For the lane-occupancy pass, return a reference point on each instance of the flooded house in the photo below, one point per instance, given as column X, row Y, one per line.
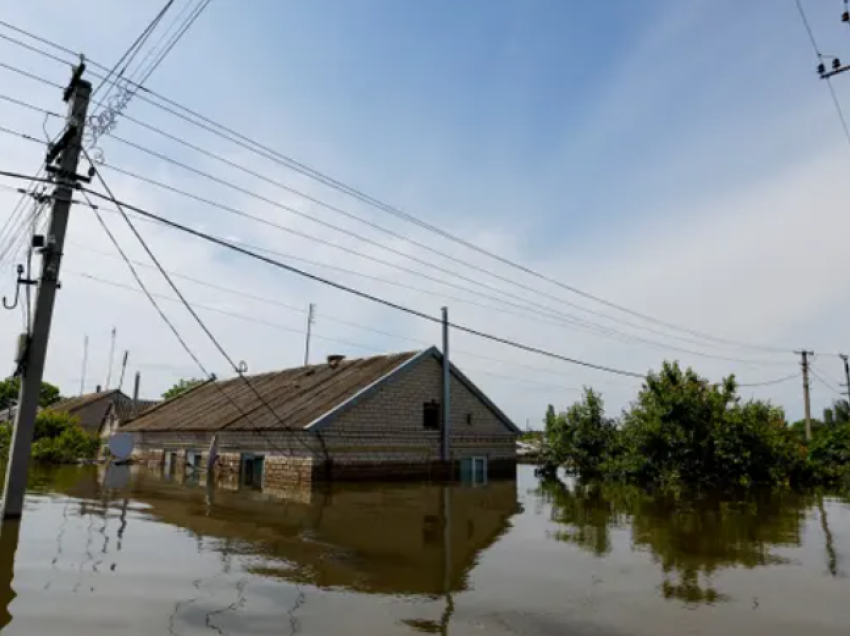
column 360, row 419
column 103, row 412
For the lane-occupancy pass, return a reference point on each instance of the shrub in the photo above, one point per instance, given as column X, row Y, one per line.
column 58, row 439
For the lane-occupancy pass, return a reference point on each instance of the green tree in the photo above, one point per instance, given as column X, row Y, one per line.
column 838, row 413
column 181, row 387
column 11, row 387
column 58, row 439
column 829, row 455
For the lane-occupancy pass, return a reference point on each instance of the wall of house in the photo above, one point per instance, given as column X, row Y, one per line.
column 388, row 426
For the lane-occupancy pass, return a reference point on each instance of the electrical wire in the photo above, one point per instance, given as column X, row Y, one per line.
column 128, row 56
column 356, row 292
column 810, row 32
column 345, row 288
column 236, row 368
column 231, row 135
column 824, row 382
column 560, row 316
column 187, row 24
column 152, row 299
column 769, row 382
column 333, row 208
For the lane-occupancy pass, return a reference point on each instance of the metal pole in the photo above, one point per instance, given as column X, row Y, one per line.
column 309, row 332
column 136, row 386
column 846, row 359
column 36, row 351
column 111, row 359
column 808, row 403
column 446, row 428
column 85, row 365
column 123, row 370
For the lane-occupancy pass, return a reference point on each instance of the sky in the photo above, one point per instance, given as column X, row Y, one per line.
column 680, row 160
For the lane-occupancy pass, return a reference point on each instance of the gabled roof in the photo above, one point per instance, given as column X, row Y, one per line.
column 92, row 408
column 300, row 398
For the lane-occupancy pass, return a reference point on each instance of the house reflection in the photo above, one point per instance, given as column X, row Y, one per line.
column 376, row 538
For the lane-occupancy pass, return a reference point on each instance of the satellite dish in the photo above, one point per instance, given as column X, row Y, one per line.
column 121, row 446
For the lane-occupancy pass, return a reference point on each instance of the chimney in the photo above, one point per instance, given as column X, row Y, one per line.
column 334, row 360
column 136, row 393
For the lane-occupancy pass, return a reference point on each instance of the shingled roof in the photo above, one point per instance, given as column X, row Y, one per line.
column 298, row 397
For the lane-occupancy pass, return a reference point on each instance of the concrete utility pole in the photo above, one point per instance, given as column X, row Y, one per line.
column 35, row 351
column 805, row 364
column 85, row 365
column 846, row 359
column 446, row 453
column 310, row 318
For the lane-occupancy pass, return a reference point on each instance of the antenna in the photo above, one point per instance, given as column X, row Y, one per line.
column 123, row 369
column 111, row 358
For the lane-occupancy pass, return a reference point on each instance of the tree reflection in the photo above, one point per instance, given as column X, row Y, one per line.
column 690, row 539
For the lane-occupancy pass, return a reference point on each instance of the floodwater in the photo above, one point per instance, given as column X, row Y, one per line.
column 128, row 552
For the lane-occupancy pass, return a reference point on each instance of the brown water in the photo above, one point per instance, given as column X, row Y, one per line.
column 134, row 554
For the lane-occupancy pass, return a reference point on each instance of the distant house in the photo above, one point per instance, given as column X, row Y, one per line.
column 370, row 418
column 104, row 412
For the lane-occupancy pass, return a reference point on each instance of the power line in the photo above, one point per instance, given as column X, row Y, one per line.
column 277, row 303
column 807, row 25
column 258, row 148
column 130, row 54
column 359, row 219
column 351, row 290
column 770, row 382
column 357, row 292
column 187, row 24
column 824, row 382
column 551, row 313
column 236, row 367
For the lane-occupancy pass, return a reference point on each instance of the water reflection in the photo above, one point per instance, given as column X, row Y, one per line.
column 691, row 540
column 100, row 551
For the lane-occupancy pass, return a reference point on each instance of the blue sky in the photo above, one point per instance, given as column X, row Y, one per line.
column 681, row 159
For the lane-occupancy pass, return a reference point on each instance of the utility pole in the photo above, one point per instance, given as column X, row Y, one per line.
column 446, row 454
column 805, row 364
column 846, row 359
column 85, row 365
column 111, row 359
column 123, row 370
column 33, row 356
column 310, row 318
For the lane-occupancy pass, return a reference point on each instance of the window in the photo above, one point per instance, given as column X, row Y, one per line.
column 431, row 415
column 252, row 470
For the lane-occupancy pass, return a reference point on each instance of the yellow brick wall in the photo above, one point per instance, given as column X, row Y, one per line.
column 388, row 425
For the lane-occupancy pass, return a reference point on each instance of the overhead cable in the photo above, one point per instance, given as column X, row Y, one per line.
column 231, row 135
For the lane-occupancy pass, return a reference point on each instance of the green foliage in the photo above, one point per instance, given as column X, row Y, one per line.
column 681, row 431
column 582, row 438
column 181, row 387
column 838, row 413
column 58, row 439
column 829, row 455
column 11, row 387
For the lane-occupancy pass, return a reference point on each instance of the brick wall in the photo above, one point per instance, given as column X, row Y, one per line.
column 388, row 425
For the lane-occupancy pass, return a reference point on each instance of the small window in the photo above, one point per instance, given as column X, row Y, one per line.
column 469, row 419
column 431, row 415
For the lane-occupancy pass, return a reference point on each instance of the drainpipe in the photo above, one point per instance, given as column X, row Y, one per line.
column 446, row 428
